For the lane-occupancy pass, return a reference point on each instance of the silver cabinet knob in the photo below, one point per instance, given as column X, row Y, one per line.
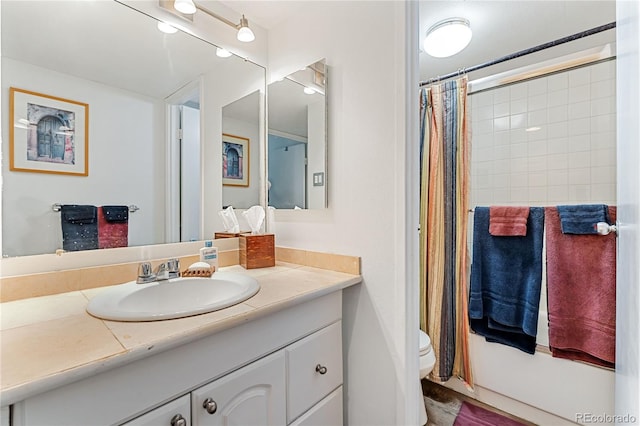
column 210, row 405
column 321, row 369
column 178, row 420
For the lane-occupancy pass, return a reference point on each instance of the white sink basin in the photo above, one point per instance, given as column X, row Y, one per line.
column 175, row 298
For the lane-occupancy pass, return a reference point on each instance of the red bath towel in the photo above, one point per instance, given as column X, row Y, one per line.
column 113, row 231
column 508, row 221
column 581, row 291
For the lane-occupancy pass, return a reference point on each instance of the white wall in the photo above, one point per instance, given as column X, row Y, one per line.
column 316, row 119
column 628, row 290
column 124, row 132
column 364, row 45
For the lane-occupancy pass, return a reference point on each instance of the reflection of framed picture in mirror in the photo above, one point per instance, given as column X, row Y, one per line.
column 47, row 134
column 235, row 160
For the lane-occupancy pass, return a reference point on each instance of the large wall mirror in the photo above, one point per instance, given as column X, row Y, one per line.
column 297, row 139
column 158, row 105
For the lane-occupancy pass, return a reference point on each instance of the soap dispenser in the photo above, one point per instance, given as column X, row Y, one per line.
column 209, row 254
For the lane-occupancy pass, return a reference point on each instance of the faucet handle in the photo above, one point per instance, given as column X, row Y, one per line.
column 173, row 265
column 145, row 270
column 145, row 273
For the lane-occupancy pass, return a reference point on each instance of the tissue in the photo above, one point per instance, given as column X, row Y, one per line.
column 229, row 220
column 255, row 218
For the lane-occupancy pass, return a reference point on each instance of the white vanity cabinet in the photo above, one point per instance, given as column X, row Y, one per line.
column 284, row 367
column 326, row 412
column 315, row 369
column 253, row 395
column 174, row 413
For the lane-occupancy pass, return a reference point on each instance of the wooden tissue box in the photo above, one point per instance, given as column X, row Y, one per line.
column 257, row 251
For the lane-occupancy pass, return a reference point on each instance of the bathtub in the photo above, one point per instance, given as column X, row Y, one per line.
column 538, row 388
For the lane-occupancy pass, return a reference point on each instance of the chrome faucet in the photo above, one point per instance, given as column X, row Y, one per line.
column 165, row 271
column 145, row 273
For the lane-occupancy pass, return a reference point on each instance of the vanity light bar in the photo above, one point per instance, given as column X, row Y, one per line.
column 57, row 207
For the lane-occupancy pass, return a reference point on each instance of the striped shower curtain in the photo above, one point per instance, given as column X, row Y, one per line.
column 444, row 181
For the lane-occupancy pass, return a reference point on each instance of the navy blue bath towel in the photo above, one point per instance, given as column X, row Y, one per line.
column 582, row 219
column 506, row 277
column 79, row 227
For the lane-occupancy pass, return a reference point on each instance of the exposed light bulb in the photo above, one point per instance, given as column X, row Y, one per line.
column 448, row 37
column 222, row 53
column 244, row 32
column 185, row 6
column 166, row 28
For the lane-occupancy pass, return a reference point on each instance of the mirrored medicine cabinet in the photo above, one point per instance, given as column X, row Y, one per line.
column 297, row 139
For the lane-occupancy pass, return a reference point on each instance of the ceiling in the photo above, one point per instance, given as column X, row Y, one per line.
column 83, row 42
column 266, row 13
column 499, row 27
column 504, row 27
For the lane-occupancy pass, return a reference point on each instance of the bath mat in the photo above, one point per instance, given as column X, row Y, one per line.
column 472, row 415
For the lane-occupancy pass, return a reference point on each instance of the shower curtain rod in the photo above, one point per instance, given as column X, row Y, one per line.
column 524, row 52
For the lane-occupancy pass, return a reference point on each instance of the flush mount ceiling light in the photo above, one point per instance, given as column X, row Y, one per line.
column 447, row 37
column 189, row 7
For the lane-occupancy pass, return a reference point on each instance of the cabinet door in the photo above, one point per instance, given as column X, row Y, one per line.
column 252, row 395
column 327, row 412
column 174, row 413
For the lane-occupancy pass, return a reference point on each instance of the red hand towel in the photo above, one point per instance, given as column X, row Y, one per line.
column 111, row 234
column 508, row 221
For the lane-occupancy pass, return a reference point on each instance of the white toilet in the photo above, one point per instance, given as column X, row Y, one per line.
column 427, row 362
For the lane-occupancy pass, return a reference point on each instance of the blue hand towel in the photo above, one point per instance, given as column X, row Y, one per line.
column 116, row 213
column 506, row 276
column 79, row 227
column 581, row 219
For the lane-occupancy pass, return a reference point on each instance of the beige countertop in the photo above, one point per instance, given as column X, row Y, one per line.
column 50, row 341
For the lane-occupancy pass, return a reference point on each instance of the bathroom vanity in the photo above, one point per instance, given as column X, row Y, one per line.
column 275, row 359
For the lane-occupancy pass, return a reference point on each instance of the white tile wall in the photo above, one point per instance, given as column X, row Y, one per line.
column 570, row 159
